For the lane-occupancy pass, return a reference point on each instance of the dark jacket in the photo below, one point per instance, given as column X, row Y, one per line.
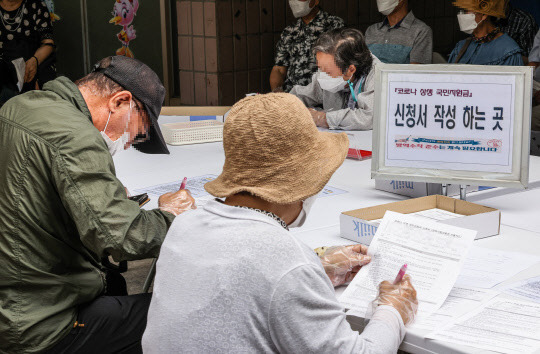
column 61, row 210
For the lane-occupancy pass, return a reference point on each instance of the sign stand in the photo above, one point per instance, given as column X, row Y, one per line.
column 462, row 192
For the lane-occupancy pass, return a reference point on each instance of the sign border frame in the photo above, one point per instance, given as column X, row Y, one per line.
column 519, row 178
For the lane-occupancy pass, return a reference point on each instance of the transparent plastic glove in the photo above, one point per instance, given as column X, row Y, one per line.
column 177, row 202
column 319, row 117
column 341, row 263
column 402, row 297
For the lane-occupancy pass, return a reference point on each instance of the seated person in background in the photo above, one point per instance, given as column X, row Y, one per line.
column 487, row 44
column 521, row 27
column 231, row 278
column 294, row 64
column 26, row 32
column 401, row 38
column 344, row 85
column 534, row 60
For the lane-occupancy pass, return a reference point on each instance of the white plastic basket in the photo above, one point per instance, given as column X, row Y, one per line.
column 204, row 131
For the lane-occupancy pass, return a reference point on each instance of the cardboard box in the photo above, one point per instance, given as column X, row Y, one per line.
column 418, row 189
column 193, row 114
column 357, row 225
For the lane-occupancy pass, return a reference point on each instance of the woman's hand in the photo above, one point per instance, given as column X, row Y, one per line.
column 31, row 69
column 341, row 263
column 319, row 117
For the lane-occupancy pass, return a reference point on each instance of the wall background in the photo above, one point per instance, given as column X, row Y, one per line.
column 226, row 47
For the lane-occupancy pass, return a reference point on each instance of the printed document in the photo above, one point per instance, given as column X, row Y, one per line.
column 459, row 302
column 434, row 253
column 196, row 187
column 430, row 214
column 502, row 325
column 486, row 267
column 528, row 289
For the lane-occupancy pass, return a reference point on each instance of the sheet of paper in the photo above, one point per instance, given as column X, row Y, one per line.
column 528, row 289
column 329, row 191
column 501, row 325
column 20, row 69
column 430, row 214
column 459, row 302
column 194, row 184
column 434, row 253
column 486, row 267
column 196, row 187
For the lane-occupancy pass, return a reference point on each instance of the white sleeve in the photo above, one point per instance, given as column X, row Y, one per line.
column 305, row 317
column 311, row 94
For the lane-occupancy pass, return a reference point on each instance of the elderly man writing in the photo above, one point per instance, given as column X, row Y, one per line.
column 63, row 209
column 232, row 279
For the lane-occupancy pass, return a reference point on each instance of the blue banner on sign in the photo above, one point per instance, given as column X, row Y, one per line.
column 197, row 118
column 451, row 142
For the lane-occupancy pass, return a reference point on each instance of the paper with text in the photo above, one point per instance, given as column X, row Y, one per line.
column 434, row 253
column 528, row 289
column 501, row 325
column 486, row 267
column 459, row 302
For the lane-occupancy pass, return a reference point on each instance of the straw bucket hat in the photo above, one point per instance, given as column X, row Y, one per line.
column 495, row 8
column 273, row 150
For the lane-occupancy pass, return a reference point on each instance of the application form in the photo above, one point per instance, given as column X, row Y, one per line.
column 196, row 187
column 528, row 289
column 502, row 325
column 486, row 267
column 434, row 253
column 459, row 302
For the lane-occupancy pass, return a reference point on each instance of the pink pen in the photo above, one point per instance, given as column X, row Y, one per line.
column 400, row 275
column 183, row 185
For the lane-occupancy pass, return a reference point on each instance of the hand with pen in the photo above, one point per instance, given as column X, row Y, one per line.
column 401, row 295
column 177, row 202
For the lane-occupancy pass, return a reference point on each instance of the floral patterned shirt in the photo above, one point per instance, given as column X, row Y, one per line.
column 294, row 48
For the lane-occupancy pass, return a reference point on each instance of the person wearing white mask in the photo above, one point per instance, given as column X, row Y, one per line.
column 400, row 38
column 231, row 278
column 487, row 45
column 64, row 210
column 340, row 95
column 294, row 62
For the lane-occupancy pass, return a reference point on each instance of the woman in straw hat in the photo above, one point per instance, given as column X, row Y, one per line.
column 487, row 44
column 340, row 95
column 239, row 281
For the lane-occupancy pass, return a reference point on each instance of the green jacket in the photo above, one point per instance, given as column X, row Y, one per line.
column 61, row 209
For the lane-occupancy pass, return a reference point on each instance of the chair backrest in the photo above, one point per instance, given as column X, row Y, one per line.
column 438, row 59
column 535, row 143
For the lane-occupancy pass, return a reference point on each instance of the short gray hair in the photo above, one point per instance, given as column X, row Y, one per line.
column 348, row 47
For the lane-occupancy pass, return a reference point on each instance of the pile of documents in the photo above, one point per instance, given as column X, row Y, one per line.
column 454, row 282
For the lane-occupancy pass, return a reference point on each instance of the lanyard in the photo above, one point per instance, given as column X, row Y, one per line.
column 351, row 87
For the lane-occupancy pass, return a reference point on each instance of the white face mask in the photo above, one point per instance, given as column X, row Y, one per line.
column 300, row 8
column 387, row 6
column 306, row 207
column 467, row 22
column 329, row 83
column 120, row 143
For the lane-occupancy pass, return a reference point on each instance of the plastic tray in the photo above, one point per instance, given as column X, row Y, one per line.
column 184, row 133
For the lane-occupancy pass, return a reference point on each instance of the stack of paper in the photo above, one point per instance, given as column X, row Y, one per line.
column 434, row 252
column 502, row 325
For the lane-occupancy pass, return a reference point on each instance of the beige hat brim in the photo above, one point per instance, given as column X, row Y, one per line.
column 289, row 181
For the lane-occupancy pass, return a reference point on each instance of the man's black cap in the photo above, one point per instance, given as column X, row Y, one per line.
column 143, row 83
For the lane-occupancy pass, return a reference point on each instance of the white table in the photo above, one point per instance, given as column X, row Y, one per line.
column 520, row 230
